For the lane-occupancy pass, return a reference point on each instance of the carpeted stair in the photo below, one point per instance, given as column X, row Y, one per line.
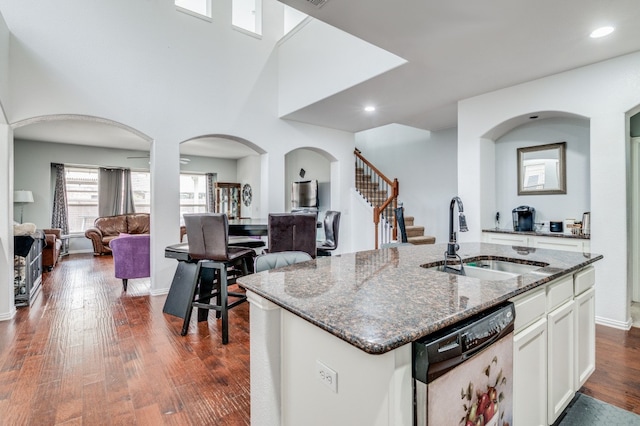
column 369, row 190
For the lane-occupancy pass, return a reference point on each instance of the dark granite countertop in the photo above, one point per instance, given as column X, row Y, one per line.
column 538, row 234
column 379, row 300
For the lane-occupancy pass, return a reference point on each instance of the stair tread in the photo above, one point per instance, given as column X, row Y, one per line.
column 423, row 239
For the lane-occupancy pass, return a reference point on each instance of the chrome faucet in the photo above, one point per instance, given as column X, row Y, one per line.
column 453, row 247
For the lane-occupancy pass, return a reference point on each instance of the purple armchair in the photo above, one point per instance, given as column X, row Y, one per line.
column 131, row 257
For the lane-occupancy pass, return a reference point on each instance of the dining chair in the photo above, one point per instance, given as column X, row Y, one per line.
column 292, row 232
column 331, row 229
column 218, row 265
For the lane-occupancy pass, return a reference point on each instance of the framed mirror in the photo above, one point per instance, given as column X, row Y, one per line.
column 542, row 169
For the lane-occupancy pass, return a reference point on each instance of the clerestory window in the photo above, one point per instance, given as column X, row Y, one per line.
column 247, row 15
column 198, row 7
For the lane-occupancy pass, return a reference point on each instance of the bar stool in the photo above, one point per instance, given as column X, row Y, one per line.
column 331, row 229
column 292, row 232
column 208, row 239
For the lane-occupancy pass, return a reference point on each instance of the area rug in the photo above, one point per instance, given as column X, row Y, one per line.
column 585, row 411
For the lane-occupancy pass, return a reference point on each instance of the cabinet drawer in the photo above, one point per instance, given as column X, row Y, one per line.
column 584, row 280
column 529, row 308
column 508, row 239
column 559, row 243
column 559, row 292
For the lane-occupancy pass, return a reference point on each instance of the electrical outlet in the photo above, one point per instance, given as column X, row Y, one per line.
column 327, row 376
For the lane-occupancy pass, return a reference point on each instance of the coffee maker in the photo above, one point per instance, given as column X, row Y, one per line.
column 524, row 218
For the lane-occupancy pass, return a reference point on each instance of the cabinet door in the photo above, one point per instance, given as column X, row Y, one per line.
column 529, row 375
column 585, row 336
column 561, row 359
column 507, row 239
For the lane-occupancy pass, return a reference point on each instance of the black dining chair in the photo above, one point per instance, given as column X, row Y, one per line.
column 217, row 268
column 331, row 230
column 292, row 232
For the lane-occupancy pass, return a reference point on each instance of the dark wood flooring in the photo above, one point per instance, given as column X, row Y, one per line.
column 87, row 353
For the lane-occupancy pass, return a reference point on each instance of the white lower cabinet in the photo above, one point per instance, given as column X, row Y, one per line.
column 538, row 241
column 530, row 384
column 506, row 239
column 554, row 347
column 561, row 359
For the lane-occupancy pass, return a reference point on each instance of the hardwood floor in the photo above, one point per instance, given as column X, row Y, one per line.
column 617, row 376
column 87, row 353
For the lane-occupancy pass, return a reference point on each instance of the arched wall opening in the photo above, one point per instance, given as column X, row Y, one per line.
column 306, row 164
column 500, row 168
column 74, row 140
column 230, row 160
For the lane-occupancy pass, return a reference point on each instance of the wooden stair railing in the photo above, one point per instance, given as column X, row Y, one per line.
column 385, row 200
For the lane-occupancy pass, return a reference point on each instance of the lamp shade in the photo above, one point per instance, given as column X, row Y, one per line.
column 22, row 197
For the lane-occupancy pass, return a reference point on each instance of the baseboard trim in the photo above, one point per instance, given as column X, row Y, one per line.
column 159, row 291
column 622, row 325
column 9, row 315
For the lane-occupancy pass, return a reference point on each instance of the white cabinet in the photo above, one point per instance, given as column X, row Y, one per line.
column 559, row 243
column 530, row 384
column 506, row 239
column 561, row 359
column 538, row 241
column 554, row 347
column 585, row 343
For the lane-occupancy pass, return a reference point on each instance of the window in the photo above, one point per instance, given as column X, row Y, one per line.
column 82, row 197
column 247, row 14
column 200, row 7
column 141, row 188
column 193, row 194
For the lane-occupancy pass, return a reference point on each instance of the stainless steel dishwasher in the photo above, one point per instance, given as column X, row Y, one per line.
column 463, row 374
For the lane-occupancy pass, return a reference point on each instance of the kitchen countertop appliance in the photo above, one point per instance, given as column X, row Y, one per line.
column 466, row 371
column 524, row 218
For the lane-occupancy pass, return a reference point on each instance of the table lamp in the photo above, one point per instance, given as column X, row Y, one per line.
column 22, row 197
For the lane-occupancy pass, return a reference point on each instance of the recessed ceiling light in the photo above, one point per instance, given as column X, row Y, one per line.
column 601, row 32
column 370, row 108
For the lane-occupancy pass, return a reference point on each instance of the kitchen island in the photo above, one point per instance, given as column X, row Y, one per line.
column 332, row 336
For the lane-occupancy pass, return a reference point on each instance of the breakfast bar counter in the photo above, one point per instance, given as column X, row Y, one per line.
column 379, row 300
column 333, row 334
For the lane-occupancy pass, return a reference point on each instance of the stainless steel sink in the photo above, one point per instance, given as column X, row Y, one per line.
column 490, row 269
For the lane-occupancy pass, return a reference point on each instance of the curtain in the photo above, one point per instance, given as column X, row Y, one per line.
column 60, row 211
column 115, row 195
column 211, row 196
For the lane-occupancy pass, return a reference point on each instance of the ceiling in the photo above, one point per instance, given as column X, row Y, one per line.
column 458, row 49
column 455, row 49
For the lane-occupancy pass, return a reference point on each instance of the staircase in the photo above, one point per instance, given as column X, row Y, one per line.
column 415, row 234
column 370, row 189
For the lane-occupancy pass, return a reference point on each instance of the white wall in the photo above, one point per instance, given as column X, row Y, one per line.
column 167, row 75
column 424, row 164
column 249, row 173
column 7, row 308
column 312, row 64
column 603, row 93
column 573, row 131
column 4, row 65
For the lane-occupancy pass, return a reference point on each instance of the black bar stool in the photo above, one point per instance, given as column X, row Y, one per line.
column 217, row 268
